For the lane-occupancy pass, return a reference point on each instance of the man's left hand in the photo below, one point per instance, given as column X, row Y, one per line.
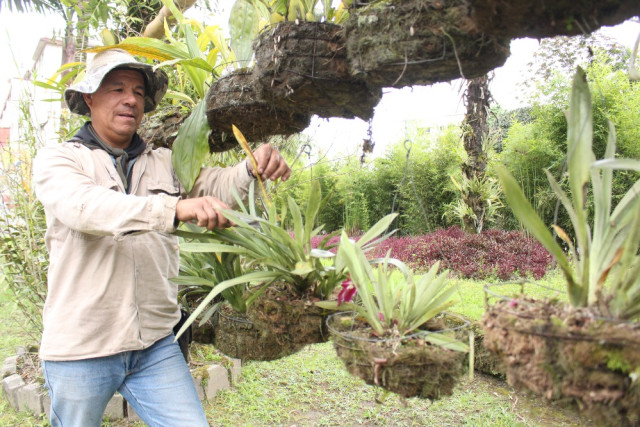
column 271, row 164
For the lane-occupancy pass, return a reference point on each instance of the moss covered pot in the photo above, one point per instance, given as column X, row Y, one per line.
column 419, row 42
column 288, row 315
column 568, row 354
column 408, row 366
column 236, row 100
column 237, row 336
column 304, row 66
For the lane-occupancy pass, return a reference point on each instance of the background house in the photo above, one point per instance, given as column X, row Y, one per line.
column 16, row 91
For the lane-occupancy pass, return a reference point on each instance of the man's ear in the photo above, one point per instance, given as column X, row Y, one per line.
column 87, row 99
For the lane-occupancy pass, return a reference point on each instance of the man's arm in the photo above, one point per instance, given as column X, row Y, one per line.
column 73, row 196
column 212, row 190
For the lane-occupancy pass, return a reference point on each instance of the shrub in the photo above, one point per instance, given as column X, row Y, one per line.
column 492, row 253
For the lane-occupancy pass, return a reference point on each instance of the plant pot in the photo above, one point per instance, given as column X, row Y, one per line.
column 568, row 354
column 304, row 66
column 408, row 366
column 419, row 43
column 235, row 100
column 238, row 337
column 290, row 316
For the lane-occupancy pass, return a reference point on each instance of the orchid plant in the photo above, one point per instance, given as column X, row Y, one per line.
column 393, row 301
column 602, row 267
column 271, row 253
column 201, row 271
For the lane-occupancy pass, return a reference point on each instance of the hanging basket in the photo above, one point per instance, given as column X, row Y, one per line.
column 235, row 100
column 304, row 66
column 287, row 315
column 238, row 337
column 408, row 366
column 418, row 42
column 567, row 354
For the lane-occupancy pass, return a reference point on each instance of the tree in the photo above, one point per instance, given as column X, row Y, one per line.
column 475, row 135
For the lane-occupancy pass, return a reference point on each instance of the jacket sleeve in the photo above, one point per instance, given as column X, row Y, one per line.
column 222, row 182
column 66, row 186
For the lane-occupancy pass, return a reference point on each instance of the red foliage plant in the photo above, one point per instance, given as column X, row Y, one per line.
column 506, row 255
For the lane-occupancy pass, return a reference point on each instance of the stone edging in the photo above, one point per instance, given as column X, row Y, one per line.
column 34, row 398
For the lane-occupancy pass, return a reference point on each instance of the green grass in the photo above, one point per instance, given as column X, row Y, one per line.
column 470, row 298
column 312, row 387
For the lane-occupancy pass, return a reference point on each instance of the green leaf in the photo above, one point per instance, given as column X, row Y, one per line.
column 296, row 217
column 579, row 152
column 255, row 277
column 378, row 228
column 243, row 28
column 313, row 207
column 447, row 342
column 180, row 96
column 191, row 146
column 210, row 247
column 525, row 213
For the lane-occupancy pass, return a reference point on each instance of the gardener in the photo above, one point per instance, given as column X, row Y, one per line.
column 111, row 204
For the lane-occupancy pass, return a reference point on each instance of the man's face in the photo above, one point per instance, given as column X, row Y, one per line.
column 117, row 107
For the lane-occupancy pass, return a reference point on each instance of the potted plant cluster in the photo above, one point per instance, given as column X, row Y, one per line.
column 285, row 274
column 225, row 323
column 393, row 338
column 586, row 350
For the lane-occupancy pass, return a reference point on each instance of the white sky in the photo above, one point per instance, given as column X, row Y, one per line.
column 435, row 104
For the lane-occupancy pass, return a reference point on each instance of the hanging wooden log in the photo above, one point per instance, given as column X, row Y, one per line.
column 304, row 66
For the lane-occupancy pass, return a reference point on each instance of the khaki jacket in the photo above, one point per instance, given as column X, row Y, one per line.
column 111, row 253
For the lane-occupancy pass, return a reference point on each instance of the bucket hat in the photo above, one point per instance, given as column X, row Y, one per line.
column 156, row 82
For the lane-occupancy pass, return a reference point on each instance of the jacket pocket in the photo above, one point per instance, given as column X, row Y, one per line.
column 163, row 187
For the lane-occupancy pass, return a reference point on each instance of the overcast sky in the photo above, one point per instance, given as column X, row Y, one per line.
column 439, row 103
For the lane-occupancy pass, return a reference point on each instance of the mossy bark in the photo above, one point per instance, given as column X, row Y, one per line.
column 304, row 66
column 542, row 18
column 290, row 316
column 570, row 355
column 420, row 42
column 236, row 100
column 237, row 336
column 409, row 367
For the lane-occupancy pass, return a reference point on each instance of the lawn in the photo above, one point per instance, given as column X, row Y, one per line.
column 312, row 387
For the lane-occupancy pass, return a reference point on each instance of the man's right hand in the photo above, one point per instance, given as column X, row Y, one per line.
column 204, row 211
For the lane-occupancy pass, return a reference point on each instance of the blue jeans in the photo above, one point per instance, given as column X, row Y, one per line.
column 156, row 382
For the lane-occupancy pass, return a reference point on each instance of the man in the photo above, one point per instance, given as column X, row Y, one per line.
column 111, row 204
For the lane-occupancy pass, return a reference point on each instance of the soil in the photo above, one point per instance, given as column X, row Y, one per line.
column 238, row 337
column 304, row 66
column 420, row 42
column 289, row 315
column 569, row 355
column 409, row 367
column 235, row 100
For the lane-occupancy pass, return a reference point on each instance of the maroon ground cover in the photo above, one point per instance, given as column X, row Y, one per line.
column 492, row 253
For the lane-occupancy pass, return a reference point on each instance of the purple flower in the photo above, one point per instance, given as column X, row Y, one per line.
column 347, row 292
column 381, row 316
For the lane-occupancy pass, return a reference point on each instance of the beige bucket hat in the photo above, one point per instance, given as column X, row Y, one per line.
column 156, row 82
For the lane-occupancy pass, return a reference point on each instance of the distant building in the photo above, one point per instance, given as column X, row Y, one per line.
column 45, row 115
